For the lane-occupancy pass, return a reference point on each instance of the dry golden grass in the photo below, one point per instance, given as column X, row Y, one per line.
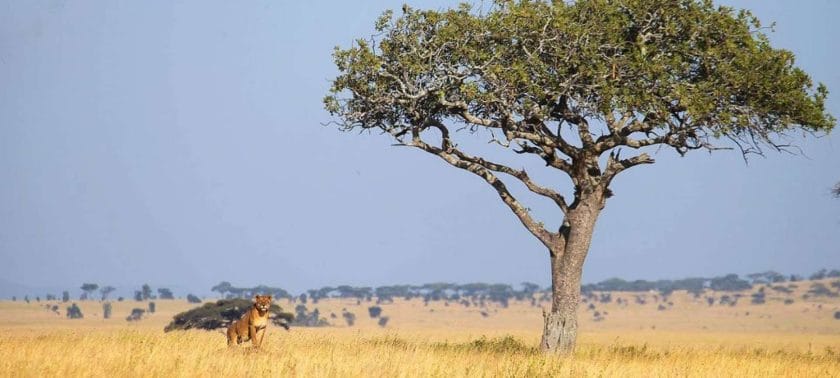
column 690, row 339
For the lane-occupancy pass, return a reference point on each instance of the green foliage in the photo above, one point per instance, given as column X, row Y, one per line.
column 220, row 314
column 687, row 69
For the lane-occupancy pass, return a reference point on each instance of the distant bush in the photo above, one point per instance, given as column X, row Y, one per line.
column 374, row 311
column 640, row 300
column 818, row 275
column 836, row 314
column 782, row 289
column 136, row 314
column 220, row 314
column 74, row 312
column 818, row 289
column 758, row 298
column 164, row 293
column 729, row 282
column 152, row 307
column 106, row 310
column 193, row 299
column 308, row 319
column 788, row 301
column 383, row 321
column 349, row 317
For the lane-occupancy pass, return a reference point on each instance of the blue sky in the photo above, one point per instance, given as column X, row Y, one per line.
column 180, row 143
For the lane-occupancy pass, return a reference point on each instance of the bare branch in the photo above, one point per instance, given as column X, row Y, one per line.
column 616, row 165
column 483, row 169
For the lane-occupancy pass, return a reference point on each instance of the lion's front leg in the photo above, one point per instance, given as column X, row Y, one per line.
column 260, row 336
column 252, row 333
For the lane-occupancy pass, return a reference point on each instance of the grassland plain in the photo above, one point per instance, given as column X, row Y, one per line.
column 688, row 338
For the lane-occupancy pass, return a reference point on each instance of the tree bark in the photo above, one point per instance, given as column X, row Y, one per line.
column 567, row 257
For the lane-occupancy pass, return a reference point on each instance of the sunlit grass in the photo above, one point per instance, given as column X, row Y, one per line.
column 689, row 339
column 343, row 353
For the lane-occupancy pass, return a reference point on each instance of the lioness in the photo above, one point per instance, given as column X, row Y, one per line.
column 252, row 325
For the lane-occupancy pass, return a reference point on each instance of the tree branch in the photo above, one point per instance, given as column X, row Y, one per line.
column 616, row 165
column 483, row 168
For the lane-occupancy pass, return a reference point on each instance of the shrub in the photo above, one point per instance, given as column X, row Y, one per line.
column 374, row 311
column 74, row 312
column 106, row 310
column 220, row 314
column 819, row 289
column 383, row 321
column 758, row 298
column 729, row 282
column 349, row 317
column 193, row 299
column 136, row 314
column 782, row 289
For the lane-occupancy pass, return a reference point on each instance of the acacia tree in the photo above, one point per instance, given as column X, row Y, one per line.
column 89, row 288
column 572, row 84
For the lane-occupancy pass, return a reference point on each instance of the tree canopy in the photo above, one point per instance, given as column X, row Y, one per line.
column 569, row 82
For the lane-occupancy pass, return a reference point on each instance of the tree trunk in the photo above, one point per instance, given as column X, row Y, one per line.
column 567, row 257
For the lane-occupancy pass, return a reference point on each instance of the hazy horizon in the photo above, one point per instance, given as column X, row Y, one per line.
column 181, row 144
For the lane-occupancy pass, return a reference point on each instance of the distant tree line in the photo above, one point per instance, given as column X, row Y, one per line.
column 228, row 291
column 477, row 293
column 729, row 282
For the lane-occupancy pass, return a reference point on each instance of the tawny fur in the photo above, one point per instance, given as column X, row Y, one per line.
column 252, row 325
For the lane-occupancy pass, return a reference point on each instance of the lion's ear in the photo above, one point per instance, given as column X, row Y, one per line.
column 257, row 297
column 268, row 296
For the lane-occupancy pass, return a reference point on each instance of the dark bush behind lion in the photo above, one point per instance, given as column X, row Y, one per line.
column 221, row 314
